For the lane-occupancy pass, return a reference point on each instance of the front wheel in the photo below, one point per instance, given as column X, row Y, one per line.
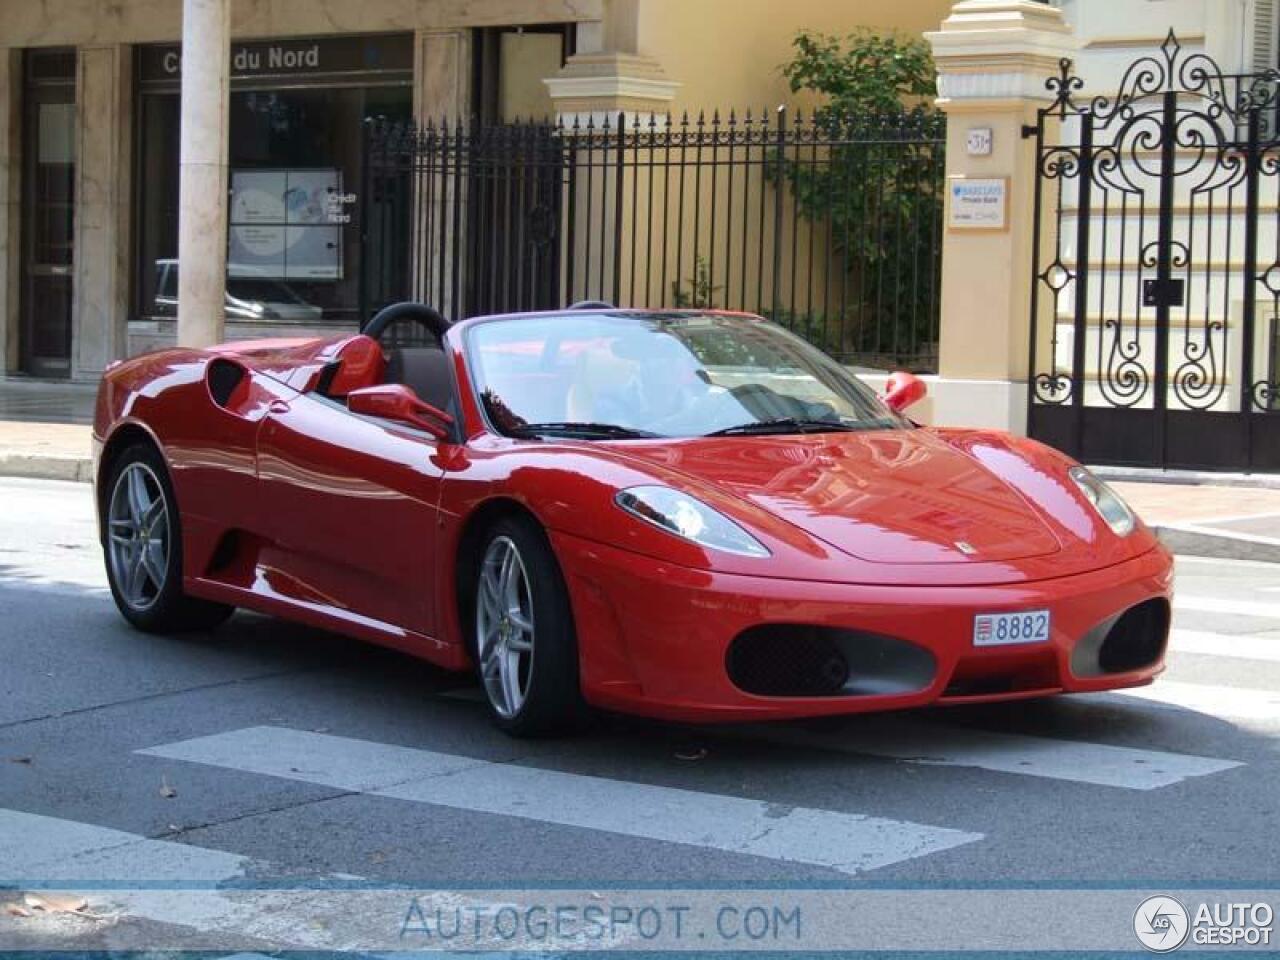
column 142, row 538
column 525, row 646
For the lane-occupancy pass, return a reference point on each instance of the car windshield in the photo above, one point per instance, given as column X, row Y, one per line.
column 619, row 375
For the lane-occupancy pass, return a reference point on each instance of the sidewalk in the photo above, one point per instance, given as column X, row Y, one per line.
column 1209, row 520
column 48, row 451
column 44, row 429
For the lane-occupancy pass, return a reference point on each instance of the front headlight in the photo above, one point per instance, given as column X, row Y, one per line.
column 1106, row 501
column 689, row 518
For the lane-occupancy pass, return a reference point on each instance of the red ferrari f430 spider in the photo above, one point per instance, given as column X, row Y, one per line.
column 691, row 515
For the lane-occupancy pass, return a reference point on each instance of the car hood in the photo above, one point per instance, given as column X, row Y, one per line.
column 883, row 496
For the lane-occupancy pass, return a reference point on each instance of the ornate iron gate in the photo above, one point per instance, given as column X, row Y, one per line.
column 1156, row 270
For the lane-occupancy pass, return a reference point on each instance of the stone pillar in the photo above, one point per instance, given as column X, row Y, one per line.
column 10, row 205
column 441, row 94
column 442, row 72
column 202, row 183
column 993, row 58
column 608, row 79
column 99, row 315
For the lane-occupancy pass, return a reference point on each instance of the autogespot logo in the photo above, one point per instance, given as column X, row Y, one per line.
column 1161, row 924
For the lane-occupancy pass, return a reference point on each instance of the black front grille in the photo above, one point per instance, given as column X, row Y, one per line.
column 787, row 661
column 1130, row 640
column 1137, row 639
column 805, row 660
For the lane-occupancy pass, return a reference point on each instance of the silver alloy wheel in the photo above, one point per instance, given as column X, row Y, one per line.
column 138, row 536
column 504, row 627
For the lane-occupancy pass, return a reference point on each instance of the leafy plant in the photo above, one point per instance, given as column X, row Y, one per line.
column 880, row 186
column 702, row 295
column 869, row 74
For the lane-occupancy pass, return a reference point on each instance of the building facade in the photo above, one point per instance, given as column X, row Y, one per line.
column 91, row 111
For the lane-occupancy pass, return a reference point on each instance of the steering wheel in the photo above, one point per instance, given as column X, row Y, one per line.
column 428, row 318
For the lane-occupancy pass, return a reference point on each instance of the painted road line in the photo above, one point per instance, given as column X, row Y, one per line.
column 1236, row 645
column 49, row 850
column 1075, row 761
column 1225, row 703
column 847, row 842
column 1192, row 559
column 202, row 899
column 938, row 745
column 1242, row 608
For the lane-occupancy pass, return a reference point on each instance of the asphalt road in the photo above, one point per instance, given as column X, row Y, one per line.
column 268, row 754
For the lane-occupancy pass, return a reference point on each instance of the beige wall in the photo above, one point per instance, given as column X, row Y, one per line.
column 27, row 23
column 729, row 53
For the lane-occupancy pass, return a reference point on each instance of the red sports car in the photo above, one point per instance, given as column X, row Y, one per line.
column 689, row 514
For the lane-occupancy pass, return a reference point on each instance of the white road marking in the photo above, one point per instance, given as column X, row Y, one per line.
column 847, row 842
column 35, row 849
column 1227, row 605
column 939, row 745
column 1243, row 646
column 1225, row 703
column 1187, row 558
column 203, row 897
column 1075, row 761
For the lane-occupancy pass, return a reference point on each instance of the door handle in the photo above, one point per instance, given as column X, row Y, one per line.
column 278, row 406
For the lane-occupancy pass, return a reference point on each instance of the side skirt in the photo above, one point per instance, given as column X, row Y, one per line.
column 263, row 599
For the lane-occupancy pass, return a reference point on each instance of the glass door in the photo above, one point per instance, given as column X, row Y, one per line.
column 48, row 216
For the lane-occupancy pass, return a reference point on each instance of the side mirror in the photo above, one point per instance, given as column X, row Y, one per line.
column 395, row 401
column 902, row 390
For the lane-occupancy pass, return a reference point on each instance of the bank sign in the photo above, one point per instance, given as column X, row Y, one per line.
column 162, row 63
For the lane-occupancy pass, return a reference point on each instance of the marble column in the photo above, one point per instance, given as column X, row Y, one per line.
column 607, row 82
column 10, row 204
column 202, row 183
column 441, row 94
column 99, row 315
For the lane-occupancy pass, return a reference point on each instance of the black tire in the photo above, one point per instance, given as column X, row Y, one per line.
column 553, row 704
column 168, row 609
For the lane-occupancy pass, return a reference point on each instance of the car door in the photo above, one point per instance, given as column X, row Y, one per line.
column 351, row 505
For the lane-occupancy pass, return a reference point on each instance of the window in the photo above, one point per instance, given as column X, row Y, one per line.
column 296, row 138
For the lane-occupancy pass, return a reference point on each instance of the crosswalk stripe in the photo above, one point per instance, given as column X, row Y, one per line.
column 1227, row 605
column 847, row 842
column 1075, row 761
column 1240, row 646
column 934, row 744
column 127, row 877
column 1226, row 703
column 36, row 849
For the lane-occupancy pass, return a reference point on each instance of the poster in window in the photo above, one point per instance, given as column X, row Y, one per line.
column 313, row 253
column 257, row 196
column 281, row 225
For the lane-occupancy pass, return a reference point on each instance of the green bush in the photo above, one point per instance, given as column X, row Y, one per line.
column 881, row 187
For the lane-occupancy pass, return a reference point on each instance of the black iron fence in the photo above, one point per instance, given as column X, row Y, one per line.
column 831, row 227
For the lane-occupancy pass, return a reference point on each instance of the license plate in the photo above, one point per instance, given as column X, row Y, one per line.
column 1005, row 629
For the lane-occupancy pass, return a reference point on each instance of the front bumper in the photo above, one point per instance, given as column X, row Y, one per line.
column 654, row 636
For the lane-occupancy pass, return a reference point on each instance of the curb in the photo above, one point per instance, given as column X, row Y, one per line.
column 43, row 466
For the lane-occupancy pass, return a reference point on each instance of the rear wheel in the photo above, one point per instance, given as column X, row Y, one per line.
column 525, row 647
column 142, row 537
